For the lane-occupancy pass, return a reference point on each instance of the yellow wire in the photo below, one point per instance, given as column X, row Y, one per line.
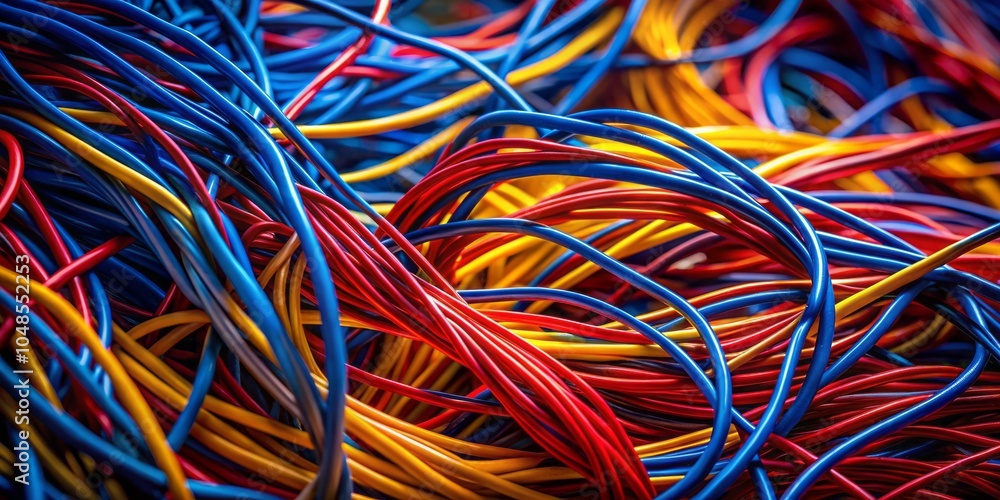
column 128, row 393
column 423, row 150
column 129, row 177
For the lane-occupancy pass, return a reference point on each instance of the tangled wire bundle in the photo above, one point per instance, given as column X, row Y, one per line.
column 493, row 249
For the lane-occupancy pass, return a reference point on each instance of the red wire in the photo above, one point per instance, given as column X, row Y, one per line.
column 15, row 171
column 345, row 59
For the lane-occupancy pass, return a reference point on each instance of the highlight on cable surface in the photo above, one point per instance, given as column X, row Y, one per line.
column 474, row 249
